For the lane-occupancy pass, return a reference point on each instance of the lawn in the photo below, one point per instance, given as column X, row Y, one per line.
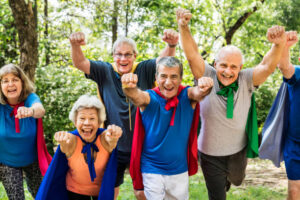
column 198, row 191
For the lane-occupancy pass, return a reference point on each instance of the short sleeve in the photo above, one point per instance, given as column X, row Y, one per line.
column 98, row 70
column 295, row 78
column 32, row 99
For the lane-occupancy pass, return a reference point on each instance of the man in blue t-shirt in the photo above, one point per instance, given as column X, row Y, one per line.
column 167, row 114
column 291, row 149
column 119, row 110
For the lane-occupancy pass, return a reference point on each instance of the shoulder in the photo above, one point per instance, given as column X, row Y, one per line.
column 99, row 65
column 32, row 98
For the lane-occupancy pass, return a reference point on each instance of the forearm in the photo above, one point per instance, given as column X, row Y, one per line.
column 38, row 110
column 285, row 65
column 168, row 51
column 190, row 49
column 109, row 146
column 268, row 64
column 195, row 94
column 137, row 96
column 79, row 60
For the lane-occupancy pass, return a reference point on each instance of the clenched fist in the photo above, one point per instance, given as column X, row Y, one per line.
column 204, row 85
column 171, row 37
column 77, row 39
column 183, row 16
column 276, row 35
column 129, row 80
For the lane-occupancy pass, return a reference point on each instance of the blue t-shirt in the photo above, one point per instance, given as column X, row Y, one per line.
column 294, row 105
column 165, row 147
column 18, row 149
column 116, row 103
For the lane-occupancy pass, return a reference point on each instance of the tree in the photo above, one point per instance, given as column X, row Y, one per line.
column 26, row 24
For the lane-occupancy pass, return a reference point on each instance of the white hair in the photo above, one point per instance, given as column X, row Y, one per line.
column 229, row 49
column 124, row 40
column 87, row 101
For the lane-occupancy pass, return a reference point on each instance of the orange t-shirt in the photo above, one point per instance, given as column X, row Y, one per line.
column 78, row 177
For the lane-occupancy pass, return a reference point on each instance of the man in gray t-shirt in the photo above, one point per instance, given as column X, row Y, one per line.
column 222, row 140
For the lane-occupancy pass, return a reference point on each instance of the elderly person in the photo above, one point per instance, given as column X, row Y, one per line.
column 87, row 153
column 119, row 110
column 19, row 109
column 226, row 137
column 164, row 149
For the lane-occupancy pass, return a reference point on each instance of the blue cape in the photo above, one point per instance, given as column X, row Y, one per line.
column 274, row 128
column 53, row 185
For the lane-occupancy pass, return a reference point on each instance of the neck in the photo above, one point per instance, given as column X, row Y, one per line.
column 12, row 102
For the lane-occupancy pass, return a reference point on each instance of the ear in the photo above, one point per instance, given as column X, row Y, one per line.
column 241, row 66
column 215, row 64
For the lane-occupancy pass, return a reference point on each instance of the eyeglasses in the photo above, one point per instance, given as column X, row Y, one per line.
column 127, row 55
column 14, row 81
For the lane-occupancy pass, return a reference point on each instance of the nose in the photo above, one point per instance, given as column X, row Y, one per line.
column 227, row 71
column 168, row 81
column 86, row 121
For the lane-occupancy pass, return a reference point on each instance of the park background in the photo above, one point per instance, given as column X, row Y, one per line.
column 34, row 35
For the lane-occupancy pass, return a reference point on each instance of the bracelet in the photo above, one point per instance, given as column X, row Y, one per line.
column 172, row 45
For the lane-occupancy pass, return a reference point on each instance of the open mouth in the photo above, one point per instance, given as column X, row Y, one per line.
column 12, row 91
column 87, row 132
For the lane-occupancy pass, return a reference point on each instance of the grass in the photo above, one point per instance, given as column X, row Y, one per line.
column 197, row 191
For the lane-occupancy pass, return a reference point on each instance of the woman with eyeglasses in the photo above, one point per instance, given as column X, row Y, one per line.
column 21, row 134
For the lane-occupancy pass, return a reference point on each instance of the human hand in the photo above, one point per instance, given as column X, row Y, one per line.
column 183, row 16
column 276, row 35
column 24, row 112
column 77, row 39
column 113, row 133
column 205, row 85
column 171, row 37
column 63, row 137
column 129, row 80
column 291, row 38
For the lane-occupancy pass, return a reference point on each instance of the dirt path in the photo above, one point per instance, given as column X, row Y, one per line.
column 264, row 173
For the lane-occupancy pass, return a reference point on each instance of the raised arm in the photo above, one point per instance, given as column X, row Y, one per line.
column 285, row 65
column 110, row 137
column 188, row 43
column 79, row 60
column 198, row 92
column 277, row 36
column 171, row 37
column 138, row 97
column 67, row 142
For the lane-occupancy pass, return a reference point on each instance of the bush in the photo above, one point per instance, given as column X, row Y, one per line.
column 59, row 88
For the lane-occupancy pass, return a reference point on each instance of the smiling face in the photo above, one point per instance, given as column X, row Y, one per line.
column 124, row 57
column 87, row 123
column 168, row 80
column 228, row 66
column 11, row 86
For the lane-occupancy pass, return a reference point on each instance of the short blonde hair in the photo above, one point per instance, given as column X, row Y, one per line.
column 27, row 85
column 87, row 101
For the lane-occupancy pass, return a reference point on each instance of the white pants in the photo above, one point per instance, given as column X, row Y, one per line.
column 165, row 187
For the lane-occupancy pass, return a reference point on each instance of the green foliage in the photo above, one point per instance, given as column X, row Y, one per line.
column 59, row 88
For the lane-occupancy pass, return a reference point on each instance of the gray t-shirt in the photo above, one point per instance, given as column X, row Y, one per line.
column 220, row 136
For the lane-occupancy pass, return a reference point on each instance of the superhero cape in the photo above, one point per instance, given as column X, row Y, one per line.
column 53, row 185
column 137, row 146
column 274, row 128
column 44, row 158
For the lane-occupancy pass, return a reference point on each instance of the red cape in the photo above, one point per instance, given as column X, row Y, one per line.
column 137, row 146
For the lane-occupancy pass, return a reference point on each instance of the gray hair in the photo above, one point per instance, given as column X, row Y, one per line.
column 87, row 101
column 125, row 40
column 169, row 61
column 229, row 49
column 27, row 85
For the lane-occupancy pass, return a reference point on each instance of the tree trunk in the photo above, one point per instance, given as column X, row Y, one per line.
column 229, row 34
column 25, row 23
column 126, row 17
column 47, row 46
column 115, row 22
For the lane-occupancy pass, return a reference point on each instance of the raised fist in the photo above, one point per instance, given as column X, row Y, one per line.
column 291, row 38
column 183, row 16
column 276, row 35
column 171, row 37
column 129, row 80
column 77, row 38
column 24, row 112
column 204, row 85
column 113, row 133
